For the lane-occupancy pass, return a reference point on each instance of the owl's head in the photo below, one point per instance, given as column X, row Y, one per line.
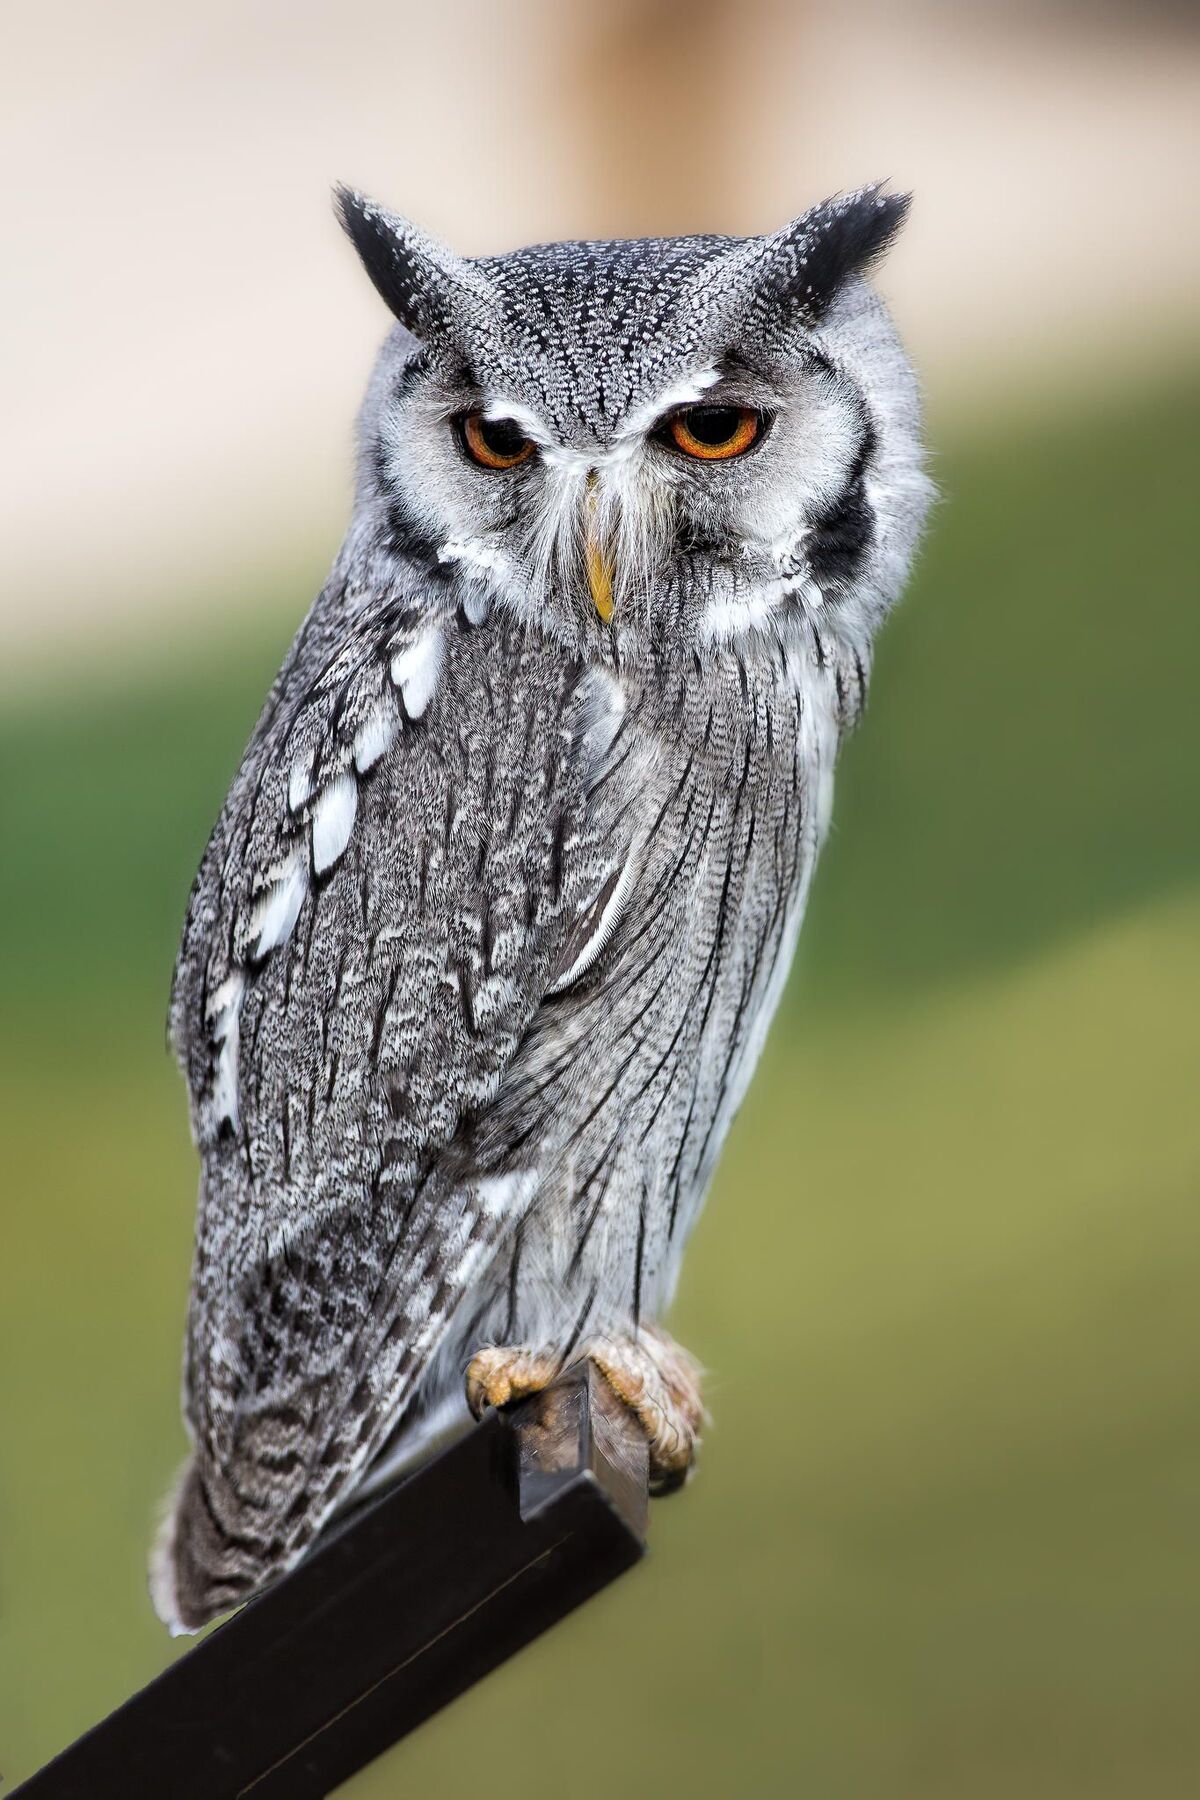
column 662, row 441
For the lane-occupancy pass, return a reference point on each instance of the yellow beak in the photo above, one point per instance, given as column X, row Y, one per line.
column 599, row 563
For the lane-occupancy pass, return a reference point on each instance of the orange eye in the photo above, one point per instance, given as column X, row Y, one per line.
column 494, row 443
column 714, row 432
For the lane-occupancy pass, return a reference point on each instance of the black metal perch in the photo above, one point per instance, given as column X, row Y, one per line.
column 410, row 1601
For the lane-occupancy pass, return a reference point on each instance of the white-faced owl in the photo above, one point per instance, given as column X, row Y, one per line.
column 486, row 940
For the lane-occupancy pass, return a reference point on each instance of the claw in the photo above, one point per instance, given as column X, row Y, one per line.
column 649, row 1373
column 499, row 1375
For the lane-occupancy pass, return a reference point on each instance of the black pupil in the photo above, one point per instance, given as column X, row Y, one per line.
column 712, row 425
column 502, row 437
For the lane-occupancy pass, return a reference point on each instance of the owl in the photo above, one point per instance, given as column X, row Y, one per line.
column 484, row 945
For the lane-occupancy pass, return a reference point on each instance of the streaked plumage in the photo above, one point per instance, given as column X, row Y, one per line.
column 486, row 940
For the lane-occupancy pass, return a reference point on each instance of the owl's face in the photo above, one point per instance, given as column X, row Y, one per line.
column 666, row 442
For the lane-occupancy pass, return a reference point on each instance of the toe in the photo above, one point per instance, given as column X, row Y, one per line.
column 488, row 1381
column 659, row 1384
column 501, row 1374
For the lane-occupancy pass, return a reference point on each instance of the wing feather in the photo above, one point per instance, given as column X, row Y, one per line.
column 407, row 862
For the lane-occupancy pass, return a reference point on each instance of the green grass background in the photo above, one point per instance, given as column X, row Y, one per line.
column 943, row 1541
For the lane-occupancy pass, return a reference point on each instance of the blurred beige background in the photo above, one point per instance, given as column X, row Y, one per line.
column 187, row 337
column 942, row 1544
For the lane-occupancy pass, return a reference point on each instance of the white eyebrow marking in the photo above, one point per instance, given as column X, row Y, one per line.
column 521, row 415
column 683, row 392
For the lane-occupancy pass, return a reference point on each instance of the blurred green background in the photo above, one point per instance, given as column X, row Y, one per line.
column 942, row 1542
column 943, row 1539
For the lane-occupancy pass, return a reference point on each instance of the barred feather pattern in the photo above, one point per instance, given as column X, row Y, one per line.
column 485, row 943
column 420, row 1124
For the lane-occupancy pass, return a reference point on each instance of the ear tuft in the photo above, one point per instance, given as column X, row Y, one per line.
column 815, row 255
column 430, row 290
column 375, row 242
column 380, row 239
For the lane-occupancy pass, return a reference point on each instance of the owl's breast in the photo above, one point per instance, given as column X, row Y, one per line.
column 632, row 1077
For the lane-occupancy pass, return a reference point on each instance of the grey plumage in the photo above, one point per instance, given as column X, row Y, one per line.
column 485, row 942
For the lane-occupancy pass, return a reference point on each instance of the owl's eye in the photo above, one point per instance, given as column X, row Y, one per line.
column 494, row 443
column 714, row 432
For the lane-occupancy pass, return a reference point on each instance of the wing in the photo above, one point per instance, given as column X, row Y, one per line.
column 408, row 860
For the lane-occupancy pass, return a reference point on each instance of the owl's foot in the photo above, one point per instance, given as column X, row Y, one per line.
column 502, row 1374
column 649, row 1373
column 660, row 1384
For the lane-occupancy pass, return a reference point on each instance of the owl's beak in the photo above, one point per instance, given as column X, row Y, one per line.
column 596, row 556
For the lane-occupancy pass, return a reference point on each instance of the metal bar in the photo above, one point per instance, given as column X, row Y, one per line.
column 412, row 1600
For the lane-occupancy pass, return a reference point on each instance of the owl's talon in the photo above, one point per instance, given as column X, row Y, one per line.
column 501, row 1374
column 660, row 1384
column 649, row 1373
column 669, row 1482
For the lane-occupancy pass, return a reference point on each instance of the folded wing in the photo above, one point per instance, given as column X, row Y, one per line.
column 410, row 858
